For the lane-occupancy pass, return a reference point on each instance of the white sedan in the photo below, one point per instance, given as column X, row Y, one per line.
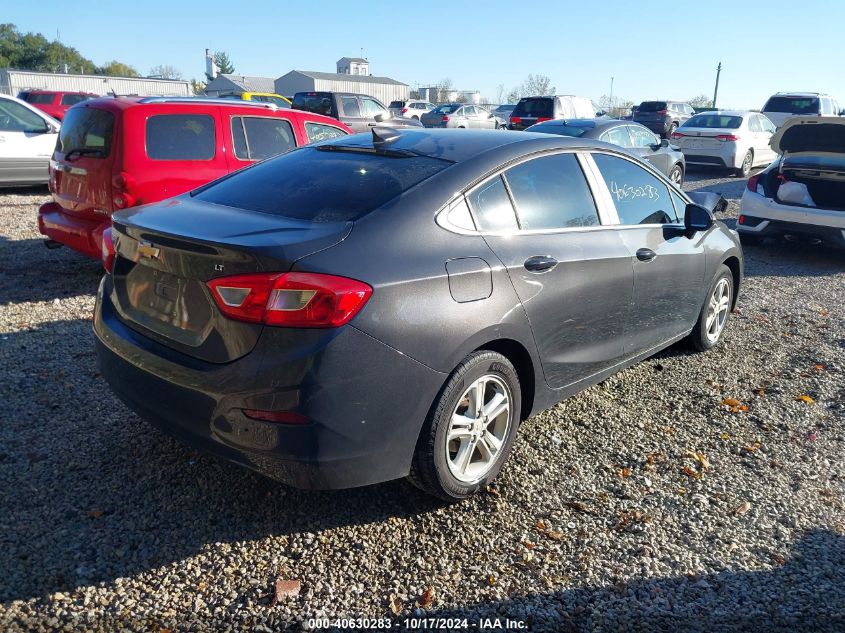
column 27, row 140
column 735, row 139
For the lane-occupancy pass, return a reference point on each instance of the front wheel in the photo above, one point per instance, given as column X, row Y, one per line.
column 471, row 428
column 745, row 168
column 677, row 176
column 714, row 315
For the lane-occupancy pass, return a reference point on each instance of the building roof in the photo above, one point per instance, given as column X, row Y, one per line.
column 367, row 79
column 360, row 60
column 245, row 83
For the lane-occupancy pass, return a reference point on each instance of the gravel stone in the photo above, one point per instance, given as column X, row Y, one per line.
column 107, row 524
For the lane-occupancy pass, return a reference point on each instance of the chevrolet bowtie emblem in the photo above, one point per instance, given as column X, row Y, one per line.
column 145, row 249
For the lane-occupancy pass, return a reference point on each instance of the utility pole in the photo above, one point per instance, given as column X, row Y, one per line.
column 610, row 104
column 716, row 91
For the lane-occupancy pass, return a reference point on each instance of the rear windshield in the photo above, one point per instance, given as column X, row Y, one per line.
column 396, row 104
column 319, row 102
column 793, row 105
column 39, row 98
column 535, row 108
column 652, row 106
column 87, row 129
column 321, row 185
column 714, row 120
column 447, row 108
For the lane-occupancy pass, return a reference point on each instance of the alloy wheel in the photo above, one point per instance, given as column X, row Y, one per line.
column 677, row 177
column 478, row 428
column 717, row 309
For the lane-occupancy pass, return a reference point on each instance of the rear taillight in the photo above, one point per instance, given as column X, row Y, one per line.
column 516, row 120
column 404, row 110
column 122, row 186
column 727, row 137
column 540, row 119
column 444, row 119
column 661, row 112
column 107, row 250
column 290, row 299
column 752, row 183
column 677, row 135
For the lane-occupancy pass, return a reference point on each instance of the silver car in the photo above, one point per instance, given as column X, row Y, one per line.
column 27, row 140
column 460, row 115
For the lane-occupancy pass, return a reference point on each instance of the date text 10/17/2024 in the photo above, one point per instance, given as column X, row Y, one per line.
column 420, row 624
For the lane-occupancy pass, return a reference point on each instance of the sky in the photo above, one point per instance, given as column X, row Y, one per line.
column 653, row 50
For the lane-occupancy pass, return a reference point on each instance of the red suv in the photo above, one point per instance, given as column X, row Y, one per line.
column 53, row 102
column 118, row 152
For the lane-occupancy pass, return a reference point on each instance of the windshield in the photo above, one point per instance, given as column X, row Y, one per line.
column 793, row 105
column 714, row 120
column 543, row 107
column 322, row 184
column 447, row 108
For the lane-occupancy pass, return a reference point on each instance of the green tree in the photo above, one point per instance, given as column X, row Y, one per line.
column 33, row 51
column 118, row 69
column 223, row 63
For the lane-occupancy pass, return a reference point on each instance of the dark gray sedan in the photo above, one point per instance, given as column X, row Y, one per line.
column 638, row 139
column 394, row 304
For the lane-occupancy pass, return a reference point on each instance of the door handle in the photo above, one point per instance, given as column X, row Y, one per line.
column 540, row 263
column 372, row 124
column 646, row 254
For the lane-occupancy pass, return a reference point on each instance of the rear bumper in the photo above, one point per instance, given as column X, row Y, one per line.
column 658, row 127
column 723, row 157
column 765, row 217
column 84, row 235
column 366, row 402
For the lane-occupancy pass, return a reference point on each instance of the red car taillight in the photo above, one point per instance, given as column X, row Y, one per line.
column 516, row 120
column 677, row 135
column 107, row 250
column 661, row 112
column 540, row 119
column 404, row 110
column 444, row 119
column 122, row 185
column 290, row 299
column 752, row 183
column 727, row 137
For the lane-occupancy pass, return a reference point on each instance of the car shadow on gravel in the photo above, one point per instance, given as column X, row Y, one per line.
column 92, row 493
column 31, row 272
column 800, row 593
column 781, row 258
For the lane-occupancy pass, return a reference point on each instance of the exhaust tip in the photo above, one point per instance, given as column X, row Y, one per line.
column 52, row 244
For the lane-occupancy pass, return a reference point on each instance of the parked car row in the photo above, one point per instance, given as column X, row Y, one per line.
column 462, row 115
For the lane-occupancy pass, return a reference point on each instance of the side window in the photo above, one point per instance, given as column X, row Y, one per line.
column 551, row 193
column 617, row 136
column 639, row 196
column 180, row 137
column 492, row 207
column 642, row 137
column 261, row 137
column 767, row 125
column 754, row 124
column 371, row 108
column 70, row 100
column 319, row 132
column 350, row 106
column 16, row 118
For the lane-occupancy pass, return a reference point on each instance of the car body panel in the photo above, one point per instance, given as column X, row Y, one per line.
column 27, row 138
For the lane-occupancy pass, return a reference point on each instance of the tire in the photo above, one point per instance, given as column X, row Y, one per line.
column 745, row 168
column 702, row 336
column 676, row 175
column 415, row 118
column 437, row 464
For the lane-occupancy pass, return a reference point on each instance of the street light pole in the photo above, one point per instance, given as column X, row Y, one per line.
column 716, row 91
column 610, row 103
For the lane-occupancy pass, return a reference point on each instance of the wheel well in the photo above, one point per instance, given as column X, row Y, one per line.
column 521, row 360
column 733, row 264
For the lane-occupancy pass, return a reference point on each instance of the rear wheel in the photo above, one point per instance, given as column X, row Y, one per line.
column 471, row 428
column 745, row 168
column 415, row 118
column 714, row 315
column 677, row 176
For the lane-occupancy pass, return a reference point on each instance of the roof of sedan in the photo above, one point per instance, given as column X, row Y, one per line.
column 460, row 145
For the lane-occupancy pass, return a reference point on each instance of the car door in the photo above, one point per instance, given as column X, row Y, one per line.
column 668, row 267
column 768, row 130
column 485, row 119
column 27, row 141
column 352, row 114
column 572, row 274
column 759, row 140
column 647, row 146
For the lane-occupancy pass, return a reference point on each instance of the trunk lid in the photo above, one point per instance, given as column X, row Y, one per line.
column 700, row 138
column 166, row 252
column 813, row 134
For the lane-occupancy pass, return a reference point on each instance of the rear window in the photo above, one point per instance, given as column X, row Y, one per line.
column 535, row 108
column 39, row 98
column 714, row 120
column 180, row 137
column 652, row 106
column 70, row 100
column 320, row 184
column 257, row 138
column 319, row 102
column 793, row 105
column 448, row 108
column 88, row 129
column 396, row 104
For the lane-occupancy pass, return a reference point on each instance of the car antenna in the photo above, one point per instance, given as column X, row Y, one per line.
column 384, row 135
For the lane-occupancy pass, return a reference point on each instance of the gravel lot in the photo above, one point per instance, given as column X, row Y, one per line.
column 643, row 503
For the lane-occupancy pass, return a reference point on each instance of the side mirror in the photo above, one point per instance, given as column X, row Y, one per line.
column 379, row 117
column 696, row 219
column 664, row 143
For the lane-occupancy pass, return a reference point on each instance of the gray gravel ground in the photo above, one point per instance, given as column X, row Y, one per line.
column 603, row 519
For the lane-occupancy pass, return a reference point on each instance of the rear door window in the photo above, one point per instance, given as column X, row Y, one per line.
column 257, row 138
column 551, row 193
column 319, row 102
column 642, row 137
column 639, row 196
column 70, row 100
column 180, row 137
column 40, row 99
column 617, row 136
column 88, row 129
column 350, row 106
column 321, row 132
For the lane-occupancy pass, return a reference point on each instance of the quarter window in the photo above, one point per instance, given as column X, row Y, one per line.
column 257, row 138
column 492, row 207
column 551, row 193
column 639, row 196
column 180, row 137
column 319, row 132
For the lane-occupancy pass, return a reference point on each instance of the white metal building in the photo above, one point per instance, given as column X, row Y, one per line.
column 13, row 81
column 430, row 93
column 237, row 84
column 384, row 89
